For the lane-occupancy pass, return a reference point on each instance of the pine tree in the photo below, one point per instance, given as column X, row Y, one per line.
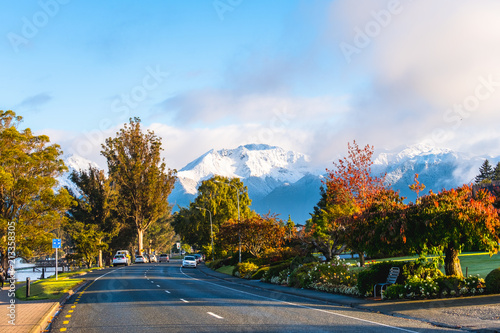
column 496, row 172
column 485, row 172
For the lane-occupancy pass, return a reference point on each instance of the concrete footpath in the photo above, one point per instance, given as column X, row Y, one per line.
column 33, row 316
column 474, row 314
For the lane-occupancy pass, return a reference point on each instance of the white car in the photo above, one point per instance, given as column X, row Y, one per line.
column 152, row 258
column 140, row 259
column 189, row 261
column 121, row 259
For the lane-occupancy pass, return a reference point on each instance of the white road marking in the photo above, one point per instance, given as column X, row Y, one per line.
column 184, row 300
column 158, row 285
column 168, row 292
column 302, row 306
column 214, row 315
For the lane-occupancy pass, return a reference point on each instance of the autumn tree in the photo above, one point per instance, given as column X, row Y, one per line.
column 31, row 210
column 139, row 175
column 447, row 221
column 258, row 234
column 351, row 188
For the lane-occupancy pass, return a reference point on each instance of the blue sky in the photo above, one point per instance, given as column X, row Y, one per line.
column 304, row 75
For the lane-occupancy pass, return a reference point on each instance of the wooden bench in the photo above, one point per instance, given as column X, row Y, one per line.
column 391, row 279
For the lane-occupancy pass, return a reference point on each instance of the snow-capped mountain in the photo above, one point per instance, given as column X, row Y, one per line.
column 74, row 162
column 437, row 168
column 262, row 168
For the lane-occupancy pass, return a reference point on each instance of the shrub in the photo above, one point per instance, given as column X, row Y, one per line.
column 300, row 277
column 274, row 271
column 493, row 281
column 395, row 291
column 260, row 273
column 246, row 269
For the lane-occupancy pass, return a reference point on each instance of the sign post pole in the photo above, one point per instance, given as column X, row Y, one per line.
column 56, row 244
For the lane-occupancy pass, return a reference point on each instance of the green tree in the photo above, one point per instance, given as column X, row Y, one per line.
column 161, row 235
column 94, row 204
column 219, row 196
column 140, row 176
column 30, row 208
column 87, row 241
column 485, row 173
column 496, row 172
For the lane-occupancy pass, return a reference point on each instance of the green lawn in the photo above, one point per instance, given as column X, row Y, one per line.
column 47, row 288
column 472, row 263
column 226, row 270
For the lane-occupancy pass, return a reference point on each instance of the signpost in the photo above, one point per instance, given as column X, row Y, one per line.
column 56, row 244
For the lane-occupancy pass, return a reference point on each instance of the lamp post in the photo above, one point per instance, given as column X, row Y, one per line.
column 211, row 231
column 238, row 199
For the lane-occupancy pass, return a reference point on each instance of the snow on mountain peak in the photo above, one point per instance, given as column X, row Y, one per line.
column 254, row 160
column 408, row 153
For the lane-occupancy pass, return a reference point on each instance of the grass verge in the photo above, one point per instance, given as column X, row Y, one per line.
column 226, row 270
column 47, row 289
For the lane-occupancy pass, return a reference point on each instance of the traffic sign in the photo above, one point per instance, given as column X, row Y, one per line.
column 56, row 243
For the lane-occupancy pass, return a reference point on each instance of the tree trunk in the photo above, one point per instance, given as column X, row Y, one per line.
column 361, row 259
column 140, row 233
column 452, row 263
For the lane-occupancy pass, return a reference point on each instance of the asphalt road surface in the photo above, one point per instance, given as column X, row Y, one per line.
column 167, row 298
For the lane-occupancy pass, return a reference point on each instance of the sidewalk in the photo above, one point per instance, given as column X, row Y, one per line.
column 30, row 316
column 475, row 314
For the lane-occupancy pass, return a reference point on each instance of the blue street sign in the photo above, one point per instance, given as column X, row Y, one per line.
column 56, row 243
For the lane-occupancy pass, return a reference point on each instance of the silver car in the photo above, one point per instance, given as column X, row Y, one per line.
column 189, row 261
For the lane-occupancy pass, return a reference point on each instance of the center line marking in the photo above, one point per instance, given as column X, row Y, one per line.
column 168, row 292
column 184, row 300
column 214, row 315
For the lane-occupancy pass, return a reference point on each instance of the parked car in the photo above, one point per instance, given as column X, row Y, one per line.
column 140, row 259
column 121, row 259
column 146, row 257
column 152, row 258
column 198, row 257
column 189, row 261
column 163, row 258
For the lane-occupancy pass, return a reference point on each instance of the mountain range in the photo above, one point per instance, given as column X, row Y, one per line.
column 286, row 183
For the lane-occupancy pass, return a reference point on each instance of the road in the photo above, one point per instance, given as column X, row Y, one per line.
column 167, row 298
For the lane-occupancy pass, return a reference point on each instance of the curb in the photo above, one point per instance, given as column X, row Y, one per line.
column 47, row 318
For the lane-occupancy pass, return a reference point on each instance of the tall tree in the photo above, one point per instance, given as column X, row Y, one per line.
column 87, row 241
column 140, row 176
column 350, row 185
column 485, row 172
column 496, row 172
column 30, row 208
column 94, row 204
column 447, row 221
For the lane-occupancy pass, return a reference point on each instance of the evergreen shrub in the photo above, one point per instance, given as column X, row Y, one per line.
column 493, row 281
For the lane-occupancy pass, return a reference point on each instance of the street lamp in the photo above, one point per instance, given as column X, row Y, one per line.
column 211, row 231
column 238, row 199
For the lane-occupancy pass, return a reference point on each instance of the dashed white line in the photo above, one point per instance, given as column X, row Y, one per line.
column 168, row 292
column 214, row 315
column 184, row 300
column 158, row 285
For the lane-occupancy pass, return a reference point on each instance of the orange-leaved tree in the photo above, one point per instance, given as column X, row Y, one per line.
column 447, row 221
column 258, row 233
column 352, row 186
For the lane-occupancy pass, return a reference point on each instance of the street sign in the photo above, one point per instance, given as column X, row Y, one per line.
column 56, row 243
